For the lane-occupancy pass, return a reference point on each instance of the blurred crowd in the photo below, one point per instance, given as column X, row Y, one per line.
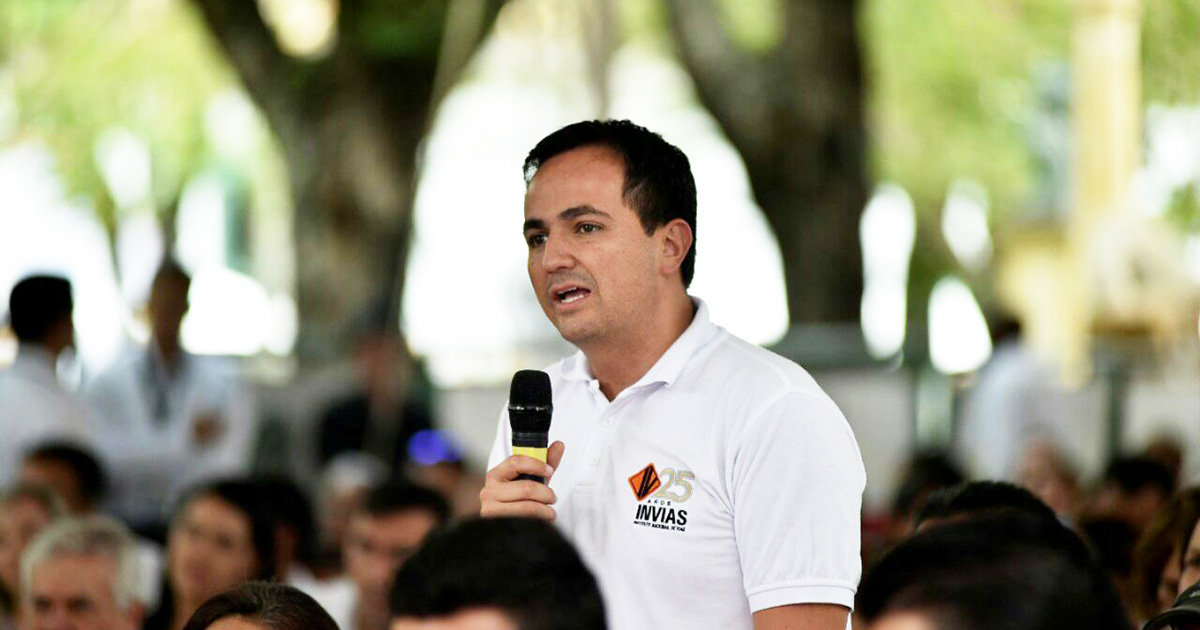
column 134, row 503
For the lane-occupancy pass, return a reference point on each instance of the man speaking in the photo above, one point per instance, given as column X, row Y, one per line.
column 709, row 483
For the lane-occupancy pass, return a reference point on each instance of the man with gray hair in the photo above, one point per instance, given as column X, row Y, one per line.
column 82, row 574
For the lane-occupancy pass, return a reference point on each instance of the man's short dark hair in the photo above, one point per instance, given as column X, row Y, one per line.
column 974, row 499
column 658, row 177
column 268, row 605
column 293, row 509
column 1133, row 474
column 524, row 567
column 1005, row 572
column 37, row 304
column 394, row 496
column 89, row 474
column 927, row 473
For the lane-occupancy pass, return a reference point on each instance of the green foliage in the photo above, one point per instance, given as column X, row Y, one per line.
column 81, row 67
column 951, row 91
column 1171, row 51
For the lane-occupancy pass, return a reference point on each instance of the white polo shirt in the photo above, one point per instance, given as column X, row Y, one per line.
column 722, row 483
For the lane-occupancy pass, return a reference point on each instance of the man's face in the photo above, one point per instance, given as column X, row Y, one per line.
column 376, row 546
column 469, row 619
column 73, row 592
column 167, row 307
column 594, row 269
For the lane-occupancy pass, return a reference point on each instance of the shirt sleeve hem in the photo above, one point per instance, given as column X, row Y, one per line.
column 787, row 593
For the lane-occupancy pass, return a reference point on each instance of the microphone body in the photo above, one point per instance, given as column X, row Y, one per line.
column 529, row 410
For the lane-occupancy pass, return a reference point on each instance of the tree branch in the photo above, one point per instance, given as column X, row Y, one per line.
column 268, row 73
column 732, row 83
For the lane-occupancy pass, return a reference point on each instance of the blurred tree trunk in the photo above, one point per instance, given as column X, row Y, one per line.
column 349, row 125
column 795, row 114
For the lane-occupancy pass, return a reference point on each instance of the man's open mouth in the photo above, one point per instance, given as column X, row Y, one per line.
column 570, row 294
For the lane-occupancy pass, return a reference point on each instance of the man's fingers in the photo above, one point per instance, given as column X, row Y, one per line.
column 554, row 455
column 508, row 469
column 526, row 509
column 517, row 491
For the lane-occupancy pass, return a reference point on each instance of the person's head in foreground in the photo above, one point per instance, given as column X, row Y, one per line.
column 496, row 574
column 82, row 574
column 261, row 606
column 1004, row 572
column 25, row 511
column 385, row 530
column 610, row 223
column 221, row 537
column 974, row 499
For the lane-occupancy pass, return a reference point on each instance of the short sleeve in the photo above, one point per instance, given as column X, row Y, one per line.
column 797, row 479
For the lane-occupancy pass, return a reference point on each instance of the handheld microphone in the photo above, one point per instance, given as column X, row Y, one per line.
column 529, row 410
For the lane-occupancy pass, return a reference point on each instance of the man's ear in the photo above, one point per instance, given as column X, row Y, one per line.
column 676, row 241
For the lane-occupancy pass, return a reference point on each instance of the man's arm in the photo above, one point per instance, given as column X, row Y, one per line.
column 802, row 617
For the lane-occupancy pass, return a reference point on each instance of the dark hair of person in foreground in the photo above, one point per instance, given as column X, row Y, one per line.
column 271, row 606
column 523, row 567
column 1004, row 572
column 980, row 498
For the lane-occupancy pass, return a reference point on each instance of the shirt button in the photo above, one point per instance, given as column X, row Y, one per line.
column 607, row 422
column 595, row 461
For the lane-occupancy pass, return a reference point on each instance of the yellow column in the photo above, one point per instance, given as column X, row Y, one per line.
column 1106, row 118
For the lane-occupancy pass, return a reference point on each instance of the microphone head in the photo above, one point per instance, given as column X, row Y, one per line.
column 530, row 402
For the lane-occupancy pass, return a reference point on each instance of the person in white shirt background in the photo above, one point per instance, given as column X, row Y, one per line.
column 34, row 406
column 167, row 419
column 706, row 481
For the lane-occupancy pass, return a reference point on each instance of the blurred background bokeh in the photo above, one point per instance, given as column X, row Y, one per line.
column 976, row 222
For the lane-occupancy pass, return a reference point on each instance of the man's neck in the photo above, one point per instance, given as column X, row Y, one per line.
column 619, row 365
column 368, row 617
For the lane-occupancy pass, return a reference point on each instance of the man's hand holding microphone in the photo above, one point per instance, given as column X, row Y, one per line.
column 518, row 486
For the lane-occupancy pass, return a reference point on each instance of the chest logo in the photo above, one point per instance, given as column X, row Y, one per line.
column 645, row 482
column 662, row 510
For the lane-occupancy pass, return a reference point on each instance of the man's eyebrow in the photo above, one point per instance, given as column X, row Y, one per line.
column 573, row 212
column 578, row 211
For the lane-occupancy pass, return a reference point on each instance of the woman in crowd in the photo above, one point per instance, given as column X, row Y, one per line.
column 25, row 511
column 1158, row 557
column 261, row 606
column 221, row 537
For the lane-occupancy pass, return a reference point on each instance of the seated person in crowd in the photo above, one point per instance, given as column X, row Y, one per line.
column 1004, row 572
column 74, row 474
column 342, row 487
column 392, row 400
column 82, row 574
column 926, row 473
column 1133, row 489
column 69, row 470
column 975, row 499
column 295, row 531
column 25, row 511
column 1158, row 555
column 261, row 606
column 385, row 529
column 222, row 536
column 497, row 574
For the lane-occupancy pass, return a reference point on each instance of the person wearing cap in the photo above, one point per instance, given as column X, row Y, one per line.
column 1184, row 615
column 707, row 482
column 36, row 407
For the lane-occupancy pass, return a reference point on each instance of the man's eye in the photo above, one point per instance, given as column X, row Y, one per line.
column 535, row 240
column 587, row 228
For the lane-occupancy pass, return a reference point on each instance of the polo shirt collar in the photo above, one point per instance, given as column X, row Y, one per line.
column 670, row 365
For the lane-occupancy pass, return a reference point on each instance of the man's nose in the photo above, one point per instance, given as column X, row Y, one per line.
column 557, row 254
